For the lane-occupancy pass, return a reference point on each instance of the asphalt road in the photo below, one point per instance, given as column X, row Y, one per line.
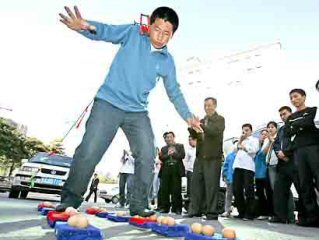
column 19, row 219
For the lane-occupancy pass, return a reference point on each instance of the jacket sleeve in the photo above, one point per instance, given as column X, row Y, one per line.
column 306, row 121
column 252, row 146
column 180, row 152
column 277, row 145
column 296, row 125
column 216, row 128
column 164, row 154
column 109, row 33
column 174, row 92
column 193, row 133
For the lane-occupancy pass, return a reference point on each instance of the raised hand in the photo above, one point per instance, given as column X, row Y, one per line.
column 74, row 20
column 194, row 123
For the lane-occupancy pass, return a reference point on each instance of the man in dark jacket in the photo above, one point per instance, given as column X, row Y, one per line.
column 287, row 174
column 207, row 166
column 302, row 130
column 171, row 174
column 93, row 188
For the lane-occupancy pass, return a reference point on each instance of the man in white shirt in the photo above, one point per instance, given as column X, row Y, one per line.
column 189, row 162
column 244, row 171
column 126, row 178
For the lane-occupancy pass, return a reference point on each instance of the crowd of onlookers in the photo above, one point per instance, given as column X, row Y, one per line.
column 259, row 171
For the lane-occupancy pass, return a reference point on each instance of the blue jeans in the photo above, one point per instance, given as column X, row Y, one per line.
column 126, row 179
column 101, row 127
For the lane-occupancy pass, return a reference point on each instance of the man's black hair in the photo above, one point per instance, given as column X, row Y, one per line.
column 272, row 123
column 211, row 98
column 285, row 108
column 167, row 14
column 247, row 125
column 298, row 90
column 166, row 133
column 317, row 85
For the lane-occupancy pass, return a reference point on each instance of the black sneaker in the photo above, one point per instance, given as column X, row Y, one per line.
column 191, row 215
column 308, row 222
column 211, row 217
column 163, row 211
column 61, row 207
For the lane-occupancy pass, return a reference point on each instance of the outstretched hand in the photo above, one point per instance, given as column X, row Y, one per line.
column 194, row 123
column 74, row 20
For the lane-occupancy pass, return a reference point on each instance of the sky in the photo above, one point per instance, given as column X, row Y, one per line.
column 49, row 73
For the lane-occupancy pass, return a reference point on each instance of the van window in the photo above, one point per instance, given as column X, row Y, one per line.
column 54, row 159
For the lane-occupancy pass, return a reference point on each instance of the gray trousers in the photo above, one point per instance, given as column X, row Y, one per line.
column 229, row 197
column 205, row 187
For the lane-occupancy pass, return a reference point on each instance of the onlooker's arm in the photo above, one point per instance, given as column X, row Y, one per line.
column 179, row 153
column 164, row 154
column 215, row 129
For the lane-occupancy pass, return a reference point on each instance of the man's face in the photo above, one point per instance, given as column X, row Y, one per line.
column 297, row 99
column 209, row 107
column 192, row 142
column 169, row 139
column 246, row 131
column 161, row 32
column 284, row 114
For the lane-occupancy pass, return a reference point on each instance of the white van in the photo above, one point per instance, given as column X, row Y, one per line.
column 43, row 173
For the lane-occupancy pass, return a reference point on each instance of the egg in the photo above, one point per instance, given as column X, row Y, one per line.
column 197, row 228
column 72, row 221
column 159, row 219
column 48, row 204
column 153, row 218
column 229, row 233
column 78, row 221
column 83, row 222
column 121, row 213
column 164, row 221
column 170, row 221
column 71, row 211
column 103, row 209
column 208, row 230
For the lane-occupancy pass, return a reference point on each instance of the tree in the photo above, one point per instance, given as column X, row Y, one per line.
column 12, row 147
column 56, row 146
column 35, row 145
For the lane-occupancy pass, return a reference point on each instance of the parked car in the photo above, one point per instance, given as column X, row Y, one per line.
column 5, row 183
column 110, row 196
column 43, row 173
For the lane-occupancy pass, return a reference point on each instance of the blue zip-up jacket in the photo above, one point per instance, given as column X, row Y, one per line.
column 228, row 167
column 260, row 165
column 136, row 69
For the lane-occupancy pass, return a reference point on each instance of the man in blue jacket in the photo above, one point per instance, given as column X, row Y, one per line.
column 228, row 173
column 121, row 101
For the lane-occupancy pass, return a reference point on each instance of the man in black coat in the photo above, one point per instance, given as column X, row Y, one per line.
column 207, row 166
column 171, row 174
column 93, row 188
column 302, row 130
column 287, row 174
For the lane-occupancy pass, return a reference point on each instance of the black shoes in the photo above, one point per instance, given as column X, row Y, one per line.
column 190, row 215
column 275, row 219
column 142, row 213
column 308, row 222
column 163, row 211
column 211, row 217
column 61, row 207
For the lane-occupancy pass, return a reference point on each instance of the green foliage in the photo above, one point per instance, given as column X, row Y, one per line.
column 14, row 146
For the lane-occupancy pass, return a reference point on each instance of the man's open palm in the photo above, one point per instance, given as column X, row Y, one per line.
column 74, row 20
